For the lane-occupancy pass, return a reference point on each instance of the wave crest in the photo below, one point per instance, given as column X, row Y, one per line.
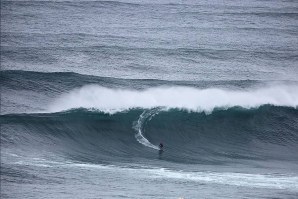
column 193, row 99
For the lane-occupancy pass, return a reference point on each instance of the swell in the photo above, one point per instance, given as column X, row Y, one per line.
column 65, row 81
column 48, row 54
column 225, row 136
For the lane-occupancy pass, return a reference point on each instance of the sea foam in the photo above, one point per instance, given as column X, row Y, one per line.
column 193, row 99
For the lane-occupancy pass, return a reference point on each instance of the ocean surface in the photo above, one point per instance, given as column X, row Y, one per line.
column 90, row 88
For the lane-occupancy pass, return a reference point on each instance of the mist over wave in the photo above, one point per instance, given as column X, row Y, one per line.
column 192, row 99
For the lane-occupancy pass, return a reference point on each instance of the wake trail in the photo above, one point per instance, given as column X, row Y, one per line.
column 147, row 115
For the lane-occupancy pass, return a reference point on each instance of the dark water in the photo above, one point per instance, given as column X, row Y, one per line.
column 90, row 88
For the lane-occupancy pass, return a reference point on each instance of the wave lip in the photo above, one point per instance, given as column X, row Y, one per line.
column 192, row 99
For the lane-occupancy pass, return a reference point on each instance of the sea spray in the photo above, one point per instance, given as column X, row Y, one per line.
column 188, row 98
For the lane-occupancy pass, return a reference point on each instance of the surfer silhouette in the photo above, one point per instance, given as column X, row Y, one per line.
column 160, row 146
column 160, row 151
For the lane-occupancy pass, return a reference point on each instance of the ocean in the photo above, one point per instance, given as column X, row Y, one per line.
column 89, row 89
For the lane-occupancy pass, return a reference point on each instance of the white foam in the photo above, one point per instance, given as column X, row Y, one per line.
column 234, row 179
column 275, row 181
column 192, row 99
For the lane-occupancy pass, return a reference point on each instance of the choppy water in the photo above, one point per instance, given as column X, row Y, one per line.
column 90, row 88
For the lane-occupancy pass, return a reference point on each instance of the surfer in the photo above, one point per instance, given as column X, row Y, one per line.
column 160, row 146
column 160, row 151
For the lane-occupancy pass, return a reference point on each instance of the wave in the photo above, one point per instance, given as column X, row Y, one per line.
column 40, row 81
column 192, row 99
column 197, row 121
column 223, row 137
column 193, row 55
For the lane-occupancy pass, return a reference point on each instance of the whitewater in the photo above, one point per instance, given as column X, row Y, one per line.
column 191, row 99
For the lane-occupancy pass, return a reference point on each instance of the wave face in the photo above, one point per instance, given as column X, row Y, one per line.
column 223, row 137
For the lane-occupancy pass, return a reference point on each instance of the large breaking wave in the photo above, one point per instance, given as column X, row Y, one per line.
column 164, row 98
column 115, row 119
